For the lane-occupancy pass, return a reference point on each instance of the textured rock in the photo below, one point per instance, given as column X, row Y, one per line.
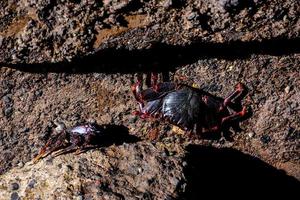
column 54, row 31
column 129, row 171
column 208, row 44
column 76, row 98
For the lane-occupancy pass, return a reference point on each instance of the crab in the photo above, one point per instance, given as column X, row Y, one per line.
column 76, row 139
column 191, row 109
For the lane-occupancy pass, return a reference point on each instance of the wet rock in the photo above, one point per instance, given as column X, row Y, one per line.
column 8, row 111
column 7, row 99
column 14, row 196
column 292, row 134
column 265, row 139
column 14, row 186
column 32, row 183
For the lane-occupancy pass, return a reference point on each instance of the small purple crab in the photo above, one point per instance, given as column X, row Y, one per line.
column 76, row 139
column 189, row 108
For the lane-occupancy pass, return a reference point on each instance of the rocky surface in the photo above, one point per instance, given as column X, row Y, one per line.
column 129, row 171
column 61, row 30
column 74, row 62
column 36, row 100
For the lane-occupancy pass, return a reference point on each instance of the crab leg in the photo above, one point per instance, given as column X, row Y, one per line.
column 137, row 87
column 84, row 149
column 42, row 152
column 154, row 78
column 237, row 94
column 54, row 143
column 66, row 150
column 235, row 116
column 242, row 92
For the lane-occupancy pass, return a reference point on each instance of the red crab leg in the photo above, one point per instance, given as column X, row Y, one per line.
column 42, row 153
column 154, row 78
column 235, row 116
column 72, row 148
column 238, row 93
column 84, row 148
column 65, row 150
column 54, row 147
column 137, row 87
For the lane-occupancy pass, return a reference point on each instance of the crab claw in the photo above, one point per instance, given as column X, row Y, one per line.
column 41, row 155
column 45, row 152
column 54, row 144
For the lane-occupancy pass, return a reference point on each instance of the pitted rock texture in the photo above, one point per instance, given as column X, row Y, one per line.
column 74, row 61
column 31, row 102
column 61, row 30
column 129, row 171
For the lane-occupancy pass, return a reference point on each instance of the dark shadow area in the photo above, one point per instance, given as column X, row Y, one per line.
column 228, row 173
column 116, row 134
column 132, row 6
column 162, row 57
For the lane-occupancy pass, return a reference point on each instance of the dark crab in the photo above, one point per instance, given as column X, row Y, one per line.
column 189, row 108
column 77, row 139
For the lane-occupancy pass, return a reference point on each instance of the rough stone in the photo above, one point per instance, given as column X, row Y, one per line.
column 57, row 31
column 72, row 62
column 109, row 173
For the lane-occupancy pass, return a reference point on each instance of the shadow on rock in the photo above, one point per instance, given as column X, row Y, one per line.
column 230, row 173
column 117, row 134
column 160, row 57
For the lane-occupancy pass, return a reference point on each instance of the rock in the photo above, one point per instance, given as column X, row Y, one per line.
column 32, row 183
column 6, row 99
column 287, row 89
column 8, row 111
column 71, row 61
column 14, row 196
column 14, row 186
column 229, row 4
column 113, row 178
column 251, row 134
column 167, row 3
column 1, row 40
column 78, row 29
column 265, row 139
